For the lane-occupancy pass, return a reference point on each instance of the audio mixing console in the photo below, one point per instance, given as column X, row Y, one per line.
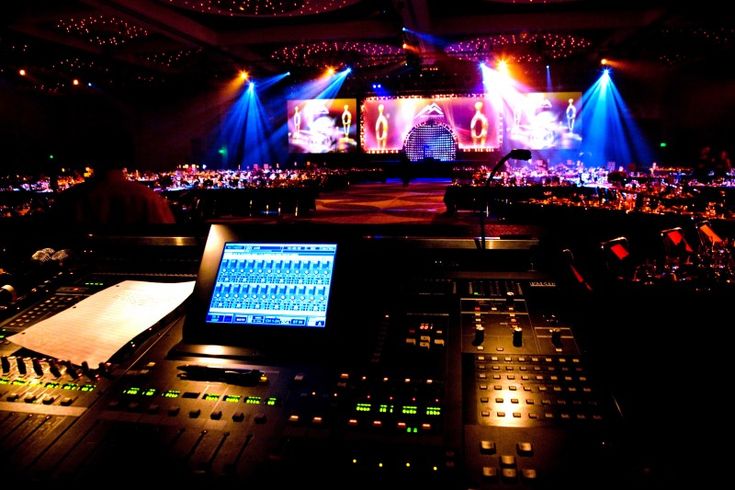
column 449, row 375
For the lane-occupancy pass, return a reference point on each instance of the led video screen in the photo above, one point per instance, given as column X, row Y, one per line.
column 322, row 125
column 386, row 123
column 545, row 120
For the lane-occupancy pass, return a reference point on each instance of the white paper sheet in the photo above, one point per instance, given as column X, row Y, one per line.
column 98, row 326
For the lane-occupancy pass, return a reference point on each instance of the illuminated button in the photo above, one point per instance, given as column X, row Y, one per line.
column 565, row 416
column 173, row 411
column 496, row 376
column 487, row 447
column 352, row 422
column 482, row 376
column 401, row 425
column 498, row 387
column 514, row 400
column 425, row 426
column 238, row 417
column 524, row 448
column 495, row 368
column 439, row 342
column 195, row 413
column 377, row 423
column 216, row 415
column 483, row 387
column 293, row 419
column 260, row 418
column 507, row 460
column 317, row 420
column 485, row 413
column 533, row 416
column 344, row 375
column 499, row 400
column 511, row 377
column 512, row 388
column 298, row 378
column 484, row 399
column 501, row 414
column 489, row 472
column 529, row 474
column 530, row 401
column 66, row 401
column 509, row 474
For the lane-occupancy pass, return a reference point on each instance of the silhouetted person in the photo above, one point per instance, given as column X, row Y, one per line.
column 109, row 198
column 405, row 167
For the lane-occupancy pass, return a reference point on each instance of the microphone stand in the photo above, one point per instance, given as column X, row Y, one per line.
column 519, row 154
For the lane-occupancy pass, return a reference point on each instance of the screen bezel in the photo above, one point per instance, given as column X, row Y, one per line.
column 252, row 336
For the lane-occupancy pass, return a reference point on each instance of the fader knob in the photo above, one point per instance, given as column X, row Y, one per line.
column 479, row 335
column 517, row 336
column 556, row 337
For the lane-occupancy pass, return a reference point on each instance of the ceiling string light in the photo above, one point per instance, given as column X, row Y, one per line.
column 352, row 53
column 102, row 30
column 524, row 47
column 262, row 8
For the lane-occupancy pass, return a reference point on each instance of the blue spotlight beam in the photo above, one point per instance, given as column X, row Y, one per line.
column 610, row 134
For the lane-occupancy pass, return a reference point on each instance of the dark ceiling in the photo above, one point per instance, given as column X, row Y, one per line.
column 148, row 44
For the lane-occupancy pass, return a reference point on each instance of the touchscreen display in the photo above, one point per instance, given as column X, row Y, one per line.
column 273, row 285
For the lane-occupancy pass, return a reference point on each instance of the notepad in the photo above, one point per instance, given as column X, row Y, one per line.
column 94, row 329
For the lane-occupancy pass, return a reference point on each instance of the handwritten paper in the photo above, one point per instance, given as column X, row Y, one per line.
column 97, row 327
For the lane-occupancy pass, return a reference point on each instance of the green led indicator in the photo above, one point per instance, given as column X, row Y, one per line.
column 434, row 411
column 132, row 391
column 171, row 394
column 663, row 144
column 19, row 382
column 271, row 401
column 409, row 410
column 88, row 388
column 4, row 381
column 2, row 336
column 210, row 397
column 412, row 430
column 149, row 392
column 232, row 398
column 50, row 384
column 253, row 400
column 51, row 156
column 363, row 407
column 70, row 386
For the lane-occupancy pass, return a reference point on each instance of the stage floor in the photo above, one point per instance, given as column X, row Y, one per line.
column 419, row 204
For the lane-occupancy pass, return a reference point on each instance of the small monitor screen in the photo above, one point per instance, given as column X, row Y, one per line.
column 273, row 285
